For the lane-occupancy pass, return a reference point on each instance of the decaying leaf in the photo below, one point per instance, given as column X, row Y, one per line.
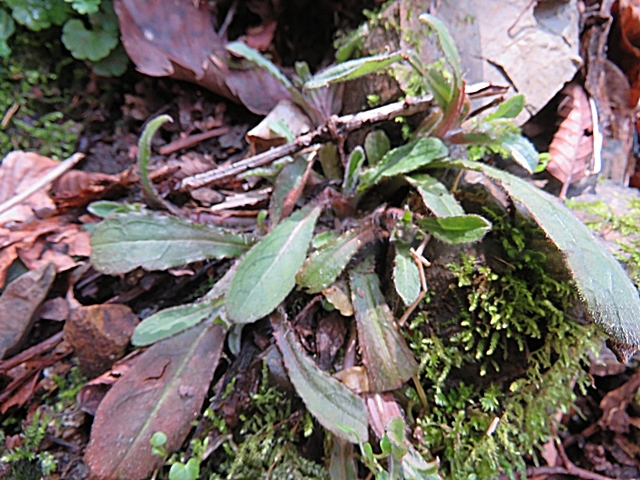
column 162, row 392
column 333, row 404
column 385, row 354
column 39, row 242
column 122, row 243
column 165, row 38
column 18, row 305
column 267, row 273
column 571, row 149
column 18, row 171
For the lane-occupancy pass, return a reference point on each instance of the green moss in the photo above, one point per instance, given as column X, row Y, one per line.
column 510, row 363
column 32, row 103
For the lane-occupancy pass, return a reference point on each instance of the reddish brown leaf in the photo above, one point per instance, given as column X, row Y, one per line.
column 177, row 39
column 629, row 24
column 18, row 171
column 42, row 241
column 382, row 409
column 55, row 309
column 99, row 335
column 77, row 188
column 18, row 305
column 572, row 146
column 163, row 391
column 614, row 406
column 92, row 392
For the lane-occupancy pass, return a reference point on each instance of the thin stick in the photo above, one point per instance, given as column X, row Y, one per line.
column 335, row 127
column 52, row 175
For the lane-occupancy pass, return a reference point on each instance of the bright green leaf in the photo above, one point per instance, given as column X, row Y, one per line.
column 376, row 146
column 188, row 471
column 385, row 354
column 610, row 296
column 38, row 15
column 267, row 273
column 455, row 230
column 352, row 69
column 406, row 277
column 326, row 398
column 510, row 108
column 122, row 243
column 324, row 265
column 435, row 196
column 404, row 159
column 84, row 7
column 86, row 44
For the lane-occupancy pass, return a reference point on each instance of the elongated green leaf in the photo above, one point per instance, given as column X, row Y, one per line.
column 609, row 294
column 439, row 87
column 376, row 146
column 243, row 50
column 324, row 265
column 522, row 151
column 404, row 159
column 267, row 273
column 122, row 243
column 435, row 196
column 406, row 277
column 447, row 44
column 332, row 403
column 342, row 464
column 385, row 354
column 352, row 69
column 172, row 320
column 459, row 229
column 144, row 152
column 510, row 108
column 353, row 170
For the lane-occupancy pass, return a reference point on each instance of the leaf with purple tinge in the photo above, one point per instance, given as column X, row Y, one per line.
column 162, row 392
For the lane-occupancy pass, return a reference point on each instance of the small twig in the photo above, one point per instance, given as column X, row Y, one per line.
column 344, row 124
column 572, row 469
column 52, row 175
column 192, row 140
column 9, row 115
column 30, row 352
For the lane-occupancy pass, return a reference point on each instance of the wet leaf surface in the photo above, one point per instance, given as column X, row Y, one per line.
column 436, row 196
column 162, row 392
column 406, row 277
column 455, row 230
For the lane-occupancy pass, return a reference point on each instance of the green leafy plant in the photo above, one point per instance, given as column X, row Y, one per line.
column 98, row 44
column 276, row 269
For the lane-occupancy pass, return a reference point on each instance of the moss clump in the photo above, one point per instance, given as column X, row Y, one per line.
column 501, row 368
column 33, row 101
column 268, row 442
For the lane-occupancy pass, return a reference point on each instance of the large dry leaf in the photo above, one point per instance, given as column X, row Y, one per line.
column 18, row 305
column 42, row 241
column 571, row 149
column 18, row 171
column 162, row 392
column 629, row 24
column 177, row 39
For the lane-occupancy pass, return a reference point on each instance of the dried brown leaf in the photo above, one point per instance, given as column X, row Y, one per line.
column 572, row 146
column 163, row 391
column 177, row 39
column 18, row 305
column 18, row 171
